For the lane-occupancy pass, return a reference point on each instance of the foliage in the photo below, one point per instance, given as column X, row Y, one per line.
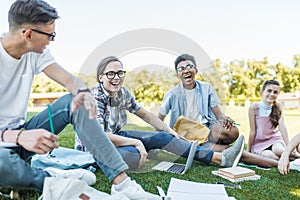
column 42, row 84
column 89, row 80
column 244, row 79
column 148, row 87
column 150, row 92
column 239, row 79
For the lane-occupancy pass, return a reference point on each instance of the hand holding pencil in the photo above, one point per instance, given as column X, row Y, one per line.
column 227, row 122
column 39, row 141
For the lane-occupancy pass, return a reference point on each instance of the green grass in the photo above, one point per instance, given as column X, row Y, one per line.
column 272, row 185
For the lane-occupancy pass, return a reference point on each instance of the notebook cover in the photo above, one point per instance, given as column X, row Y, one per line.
column 254, row 177
column 237, row 172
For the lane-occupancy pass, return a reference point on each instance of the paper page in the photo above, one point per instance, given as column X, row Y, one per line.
column 182, row 189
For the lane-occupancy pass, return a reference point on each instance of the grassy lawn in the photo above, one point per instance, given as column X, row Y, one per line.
column 272, row 185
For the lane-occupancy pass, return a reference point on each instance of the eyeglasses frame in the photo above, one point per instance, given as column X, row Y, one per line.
column 51, row 36
column 115, row 73
column 187, row 67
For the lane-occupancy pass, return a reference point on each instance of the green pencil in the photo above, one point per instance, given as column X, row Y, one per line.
column 51, row 126
column 234, row 123
column 50, row 119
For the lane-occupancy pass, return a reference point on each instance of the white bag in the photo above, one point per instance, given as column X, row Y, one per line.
column 73, row 189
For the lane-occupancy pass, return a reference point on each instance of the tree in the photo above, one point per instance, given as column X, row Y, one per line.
column 42, row 84
column 236, row 80
column 150, row 92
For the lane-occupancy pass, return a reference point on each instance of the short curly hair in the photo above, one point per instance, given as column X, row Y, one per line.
column 184, row 57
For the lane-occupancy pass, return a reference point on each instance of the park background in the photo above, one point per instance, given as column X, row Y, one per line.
column 238, row 84
column 238, row 36
column 247, row 42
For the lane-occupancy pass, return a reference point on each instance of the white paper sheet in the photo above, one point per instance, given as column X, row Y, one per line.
column 182, row 189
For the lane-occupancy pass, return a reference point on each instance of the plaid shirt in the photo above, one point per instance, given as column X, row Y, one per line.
column 112, row 111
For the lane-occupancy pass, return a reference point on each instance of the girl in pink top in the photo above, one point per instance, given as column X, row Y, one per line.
column 268, row 134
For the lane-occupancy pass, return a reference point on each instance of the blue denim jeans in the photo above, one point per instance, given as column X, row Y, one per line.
column 15, row 172
column 160, row 140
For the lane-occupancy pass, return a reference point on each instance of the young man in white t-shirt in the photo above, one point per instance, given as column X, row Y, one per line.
column 23, row 55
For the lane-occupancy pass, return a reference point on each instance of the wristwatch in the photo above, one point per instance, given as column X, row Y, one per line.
column 84, row 89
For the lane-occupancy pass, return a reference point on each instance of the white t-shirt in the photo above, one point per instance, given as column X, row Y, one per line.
column 15, row 84
column 192, row 112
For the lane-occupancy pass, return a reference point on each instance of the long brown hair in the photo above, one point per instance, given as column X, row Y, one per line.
column 276, row 112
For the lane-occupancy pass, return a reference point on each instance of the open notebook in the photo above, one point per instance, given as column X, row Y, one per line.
column 176, row 167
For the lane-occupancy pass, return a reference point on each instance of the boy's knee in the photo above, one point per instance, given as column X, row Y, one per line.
column 66, row 99
column 228, row 137
column 163, row 136
column 233, row 134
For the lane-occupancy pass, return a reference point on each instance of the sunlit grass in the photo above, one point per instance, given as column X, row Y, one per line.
column 295, row 192
column 272, row 185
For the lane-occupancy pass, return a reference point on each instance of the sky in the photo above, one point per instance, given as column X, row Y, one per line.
column 231, row 29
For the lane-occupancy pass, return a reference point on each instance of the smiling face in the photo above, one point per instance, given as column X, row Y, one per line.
column 187, row 75
column 270, row 94
column 112, row 86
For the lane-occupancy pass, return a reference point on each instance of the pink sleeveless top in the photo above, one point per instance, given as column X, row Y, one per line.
column 266, row 134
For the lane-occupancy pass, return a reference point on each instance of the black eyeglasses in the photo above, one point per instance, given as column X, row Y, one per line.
column 112, row 74
column 51, row 36
column 188, row 67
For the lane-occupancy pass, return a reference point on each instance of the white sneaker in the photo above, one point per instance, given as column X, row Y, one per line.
column 80, row 174
column 233, row 154
column 135, row 192
column 295, row 165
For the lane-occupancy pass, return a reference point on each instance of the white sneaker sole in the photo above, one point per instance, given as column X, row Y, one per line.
column 237, row 159
column 295, row 165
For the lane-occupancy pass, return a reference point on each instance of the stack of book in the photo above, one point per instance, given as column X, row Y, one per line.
column 236, row 174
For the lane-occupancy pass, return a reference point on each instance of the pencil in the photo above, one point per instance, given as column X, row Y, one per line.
column 234, row 123
column 51, row 126
column 50, row 119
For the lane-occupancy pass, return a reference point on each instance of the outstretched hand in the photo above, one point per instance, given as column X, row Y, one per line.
column 87, row 100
